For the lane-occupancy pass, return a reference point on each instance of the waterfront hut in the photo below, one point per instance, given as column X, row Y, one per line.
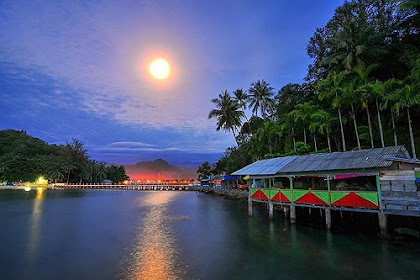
column 381, row 180
column 229, row 181
column 205, row 182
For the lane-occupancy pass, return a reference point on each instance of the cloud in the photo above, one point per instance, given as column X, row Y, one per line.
column 85, row 51
column 129, row 145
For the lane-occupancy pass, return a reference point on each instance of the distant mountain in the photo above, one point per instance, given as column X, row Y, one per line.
column 158, row 169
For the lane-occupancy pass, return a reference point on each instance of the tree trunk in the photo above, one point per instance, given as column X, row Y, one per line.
column 380, row 124
column 234, row 136
column 370, row 125
column 342, row 129
column 393, row 128
column 355, row 126
column 304, row 136
column 68, row 177
column 316, row 147
column 413, row 147
column 294, row 139
column 247, row 120
column 329, row 141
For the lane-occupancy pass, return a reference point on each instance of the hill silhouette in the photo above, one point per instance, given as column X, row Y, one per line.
column 158, row 169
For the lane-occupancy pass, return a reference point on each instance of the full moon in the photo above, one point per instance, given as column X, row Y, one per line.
column 159, row 69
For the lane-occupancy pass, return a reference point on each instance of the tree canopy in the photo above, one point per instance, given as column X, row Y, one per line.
column 25, row 158
column 361, row 90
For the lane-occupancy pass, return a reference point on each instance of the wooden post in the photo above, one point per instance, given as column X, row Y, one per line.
column 270, row 209
column 328, row 218
column 378, row 187
column 329, row 190
column 383, row 224
column 249, row 203
column 291, row 187
column 292, row 214
column 286, row 211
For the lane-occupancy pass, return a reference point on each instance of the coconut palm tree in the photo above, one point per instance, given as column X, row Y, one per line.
column 390, row 86
column 56, row 175
column 289, row 124
column 405, row 98
column 261, row 97
column 322, row 120
column 101, row 172
column 269, row 134
column 376, row 90
column 242, row 98
column 350, row 96
column 313, row 127
column 332, row 87
column 302, row 114
column 354, row 43
column 363, row 76
column 68, row 167
column 227, row 112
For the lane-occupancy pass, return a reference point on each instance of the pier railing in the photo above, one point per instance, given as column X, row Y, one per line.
column 356, row 199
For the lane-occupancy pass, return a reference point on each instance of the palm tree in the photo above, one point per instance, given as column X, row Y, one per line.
column 56, row 175
column 390, row 86
column 376, row 90
column 266, row 134
column 228, row 113
column 68, row 167
column 363, row 75
column 313, row 127
column 302, row 114
column 322, row 120
column 101, row 172
column 410, row 5
column 332, row 87
column 204, row 171
column 349, row 97
column 261, row 97
column 354, row 42
column 289, row 124
column 255, row 148
column 405, row 98
column 242, row 98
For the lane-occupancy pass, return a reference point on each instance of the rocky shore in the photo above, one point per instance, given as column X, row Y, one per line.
column 229, row 194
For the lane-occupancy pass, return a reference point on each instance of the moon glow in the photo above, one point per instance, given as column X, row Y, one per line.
column 159, row 69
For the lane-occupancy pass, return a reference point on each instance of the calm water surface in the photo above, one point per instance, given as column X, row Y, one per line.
column 105, row 234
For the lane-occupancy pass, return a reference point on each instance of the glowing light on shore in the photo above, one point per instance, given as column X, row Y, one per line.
column 41, row 181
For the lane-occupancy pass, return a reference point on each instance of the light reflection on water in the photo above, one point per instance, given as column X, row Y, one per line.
column 155, row 255
column 34, row 228
column 178, row 235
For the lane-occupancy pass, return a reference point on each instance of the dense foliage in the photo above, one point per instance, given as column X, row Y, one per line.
column 25, row 158
column 362, row 91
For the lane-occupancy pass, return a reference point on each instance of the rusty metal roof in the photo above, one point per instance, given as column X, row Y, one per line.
column 363, row 159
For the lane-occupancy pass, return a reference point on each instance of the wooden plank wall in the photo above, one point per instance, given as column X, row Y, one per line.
column 399, row 192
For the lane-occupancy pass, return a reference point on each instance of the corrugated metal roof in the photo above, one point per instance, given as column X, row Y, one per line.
column 265, row 167
column 363, row 159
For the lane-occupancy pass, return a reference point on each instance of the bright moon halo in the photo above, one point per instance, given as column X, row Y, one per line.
column 159, row 68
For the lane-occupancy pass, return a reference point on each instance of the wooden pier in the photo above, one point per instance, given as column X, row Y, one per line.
column 138, row 187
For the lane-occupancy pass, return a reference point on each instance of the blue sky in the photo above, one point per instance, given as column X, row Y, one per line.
column 79, row 69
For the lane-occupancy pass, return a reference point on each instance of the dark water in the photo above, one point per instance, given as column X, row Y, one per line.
column 107, row 234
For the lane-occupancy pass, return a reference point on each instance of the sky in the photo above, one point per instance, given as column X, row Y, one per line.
column 78, row 69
